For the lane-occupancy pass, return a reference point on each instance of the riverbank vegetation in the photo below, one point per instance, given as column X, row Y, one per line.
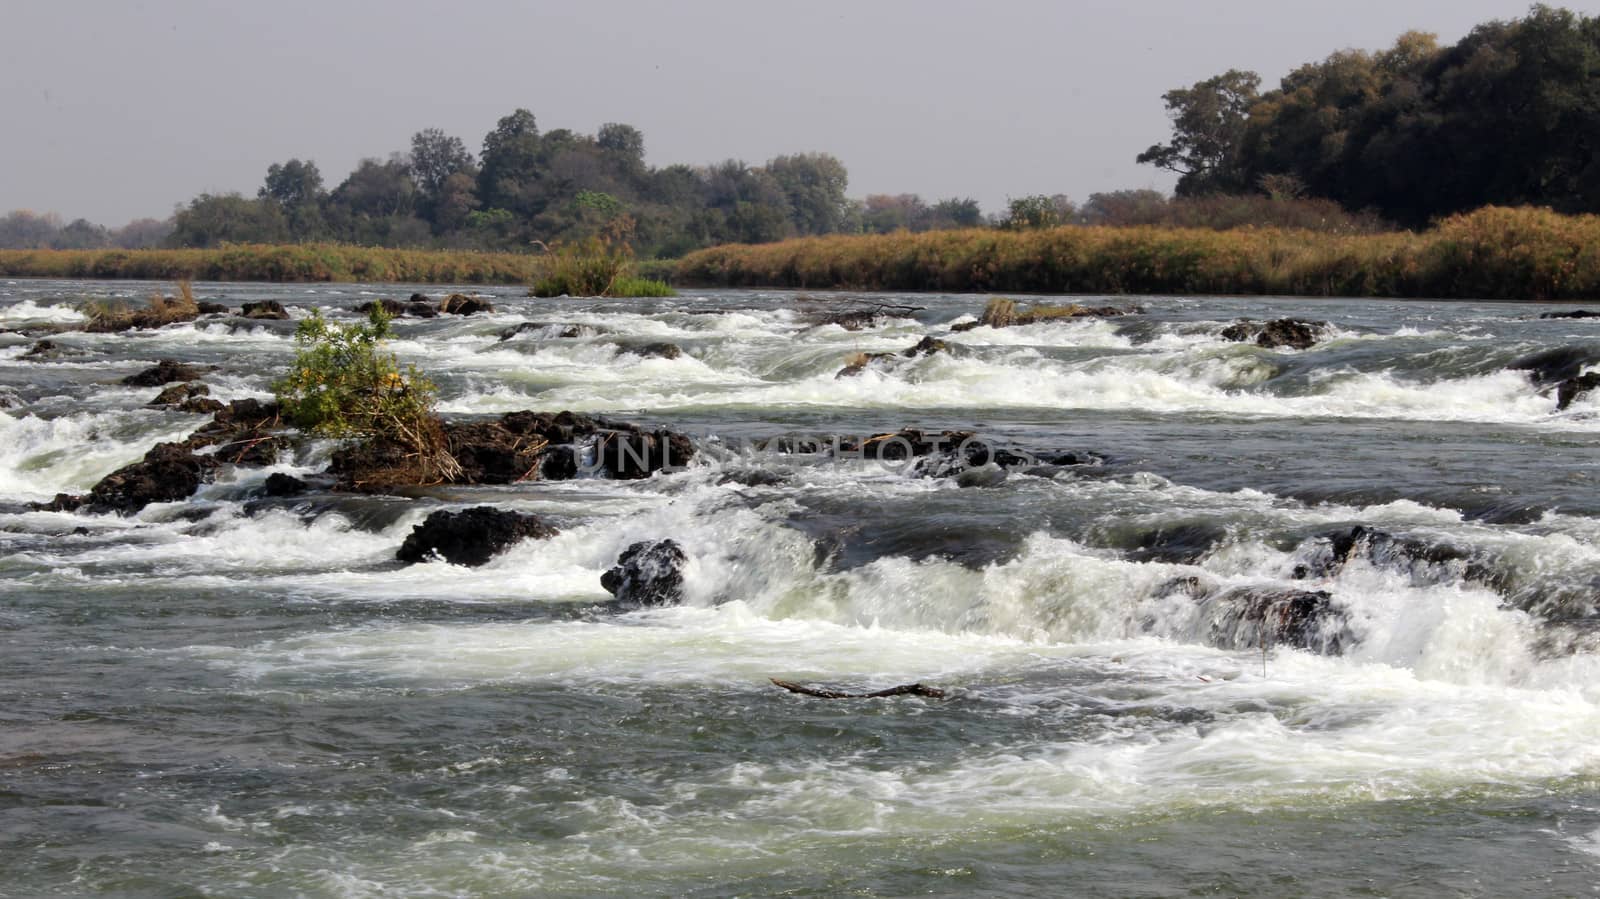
column 260, row 262
column 1521, row 254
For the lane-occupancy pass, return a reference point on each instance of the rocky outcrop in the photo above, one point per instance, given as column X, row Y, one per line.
column 165, row 371
column 193, row 398
column 461, row 304
column 1575, row 313
column 553, row 330
column 848, row 319
column 1293, row 333
column 168, row 473
column 265, row 310
column 648, row 573
column 1326, row 555
column 244, row 432
column 1573, row 388
column 209, row 308
column 471, row 537
column 522, row 446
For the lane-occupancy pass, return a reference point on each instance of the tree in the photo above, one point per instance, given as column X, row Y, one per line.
column 142, row 233
column 1208, row 125
column 624, row 144
column 814, row 186
column 23, row 229
column 81, row 234
column 296, row 187
column 1039, row 211
column 962, row 212
column 211, row 220
column 1122, row 208
column 435, row 156
column 511, row 164
column 378, row 189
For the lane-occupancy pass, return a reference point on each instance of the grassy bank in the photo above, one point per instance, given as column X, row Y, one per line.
column 1521, row 254
column 257, row 262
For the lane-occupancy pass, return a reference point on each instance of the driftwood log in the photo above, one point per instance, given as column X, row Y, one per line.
column 825, row 693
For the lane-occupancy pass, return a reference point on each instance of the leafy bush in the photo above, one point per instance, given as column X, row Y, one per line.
column 343, row 385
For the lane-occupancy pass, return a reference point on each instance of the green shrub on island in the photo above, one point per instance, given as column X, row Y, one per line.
column 343, row 385
column 595, row 268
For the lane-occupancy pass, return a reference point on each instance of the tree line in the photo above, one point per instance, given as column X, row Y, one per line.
column 1509, row 116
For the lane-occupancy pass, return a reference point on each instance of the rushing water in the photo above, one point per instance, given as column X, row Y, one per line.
column 244, row 697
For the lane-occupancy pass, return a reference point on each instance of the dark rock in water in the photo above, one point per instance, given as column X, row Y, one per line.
column 461, row 304
column 927, row 346
column 848, row 319
column 168, row 473
column 48, row 349
column 164, row 372
column 1247, row 618
column 420, row 298
column 280, row 484
column 177, row 393
column 655, row 350
column 859, row 363
column 1576, row 313
column 1572, row 388
column 1384, row 549
column 963, row 327
column 266, row 310
column 1556, row 365
column 63, row 502
column 471, row 537
column 1283, row 332
column 648, row 573
column 394, row 308
column 1067, row 460
column 201, row 405
column 421, row 310
column 209, row 308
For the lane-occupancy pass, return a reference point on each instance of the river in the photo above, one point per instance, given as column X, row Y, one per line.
column 243, row 696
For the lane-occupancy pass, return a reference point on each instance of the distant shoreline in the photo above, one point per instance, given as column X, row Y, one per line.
column 1493, row 254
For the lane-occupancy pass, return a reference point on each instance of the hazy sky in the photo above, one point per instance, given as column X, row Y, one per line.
column 117, row 109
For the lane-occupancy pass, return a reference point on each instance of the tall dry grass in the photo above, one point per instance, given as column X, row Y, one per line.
column 1493, row 253
column 265, row 262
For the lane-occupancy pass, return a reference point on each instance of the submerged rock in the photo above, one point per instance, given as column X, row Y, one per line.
column 648, row 573
column 209, row 308
column 1575, row 313
column 393, row 308
column 848, row 319
column 1247, row 618
column 470, row 537
column 421, row 310
column 860, row 362
column 265, row 310
column 1573, row 388
column 1332, row 551
column 461, row 304
column 48, row 349
column 1293, row 333
column 654, row 350
column 1555, row 365
column 165, row 371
